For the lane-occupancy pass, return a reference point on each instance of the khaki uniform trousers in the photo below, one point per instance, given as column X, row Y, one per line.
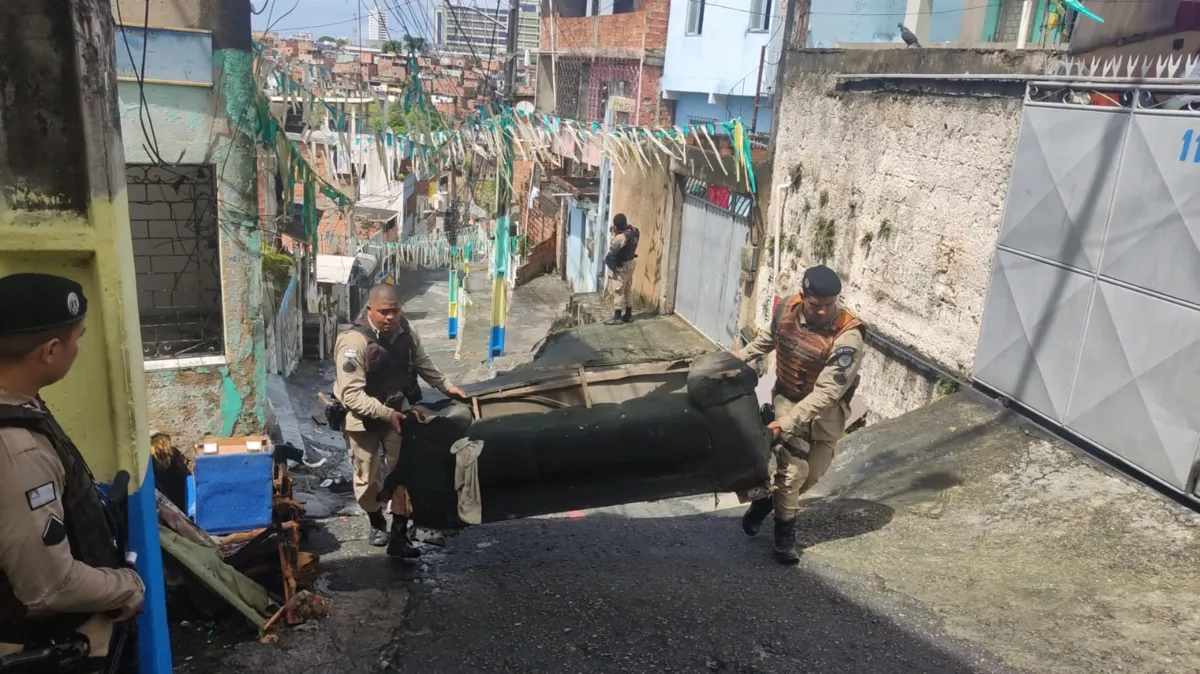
column 620, row 284
column 365, row 449
column 799, row 463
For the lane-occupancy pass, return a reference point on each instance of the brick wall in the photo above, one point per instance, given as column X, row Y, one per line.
column 643, row 29
column 176, row 254
column 540, row 261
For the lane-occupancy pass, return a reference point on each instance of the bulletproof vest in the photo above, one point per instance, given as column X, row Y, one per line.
column 89, row 532
column 801, row 350
column 391, row 370
column 627, row 252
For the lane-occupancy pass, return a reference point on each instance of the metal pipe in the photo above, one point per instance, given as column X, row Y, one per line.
column 1143, row 82
column 762, row 57
column 1026, row 17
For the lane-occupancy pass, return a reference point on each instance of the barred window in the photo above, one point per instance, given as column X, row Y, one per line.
column 177, row 259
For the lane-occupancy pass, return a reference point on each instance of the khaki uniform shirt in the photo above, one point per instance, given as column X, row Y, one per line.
column 833, row 381
column 350, row 359
column 44, row 577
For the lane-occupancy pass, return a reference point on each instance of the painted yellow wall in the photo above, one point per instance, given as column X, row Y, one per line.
column 100, row 403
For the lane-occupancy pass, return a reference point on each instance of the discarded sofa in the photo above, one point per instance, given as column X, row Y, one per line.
column 708, row 438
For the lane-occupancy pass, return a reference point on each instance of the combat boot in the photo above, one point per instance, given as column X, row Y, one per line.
column 785, row 542
column 400, row 546
column 379, row 535
column 753, row 519
column 628, row 317
column 616, row 318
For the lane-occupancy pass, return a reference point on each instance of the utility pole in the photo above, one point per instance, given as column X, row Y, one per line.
column 503, row 195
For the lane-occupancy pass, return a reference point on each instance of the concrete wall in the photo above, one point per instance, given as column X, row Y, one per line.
column 647, row 198
column 208, row 125
column 902, row 194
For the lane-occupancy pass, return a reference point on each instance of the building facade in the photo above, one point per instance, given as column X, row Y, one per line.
column 377, row 26
column 463, row 28
column 719, row 58
column 191, row 169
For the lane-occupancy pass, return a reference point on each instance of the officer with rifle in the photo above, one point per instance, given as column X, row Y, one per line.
column 377, row 363
column 66, row 591
column 621, row 261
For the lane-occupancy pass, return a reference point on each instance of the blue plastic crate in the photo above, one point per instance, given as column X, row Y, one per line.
column 233, row 492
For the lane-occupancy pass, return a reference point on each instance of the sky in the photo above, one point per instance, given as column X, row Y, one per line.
column 336, row 18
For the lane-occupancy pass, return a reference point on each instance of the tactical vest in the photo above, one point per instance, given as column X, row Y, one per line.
column 89, row 532
column 391, row 368
column 801, row 351
column 615, row 259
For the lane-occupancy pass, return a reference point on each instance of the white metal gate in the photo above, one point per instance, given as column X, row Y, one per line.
column 1093, row 313
column 716, row 227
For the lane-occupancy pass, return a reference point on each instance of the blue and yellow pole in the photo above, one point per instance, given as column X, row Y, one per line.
column 71, row 217
column 452, row 323
column 499, row 290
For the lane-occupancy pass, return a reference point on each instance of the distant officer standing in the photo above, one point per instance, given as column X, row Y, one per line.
column 61, row 576
column 621, row 260
column 818, row 350
column 378, row 361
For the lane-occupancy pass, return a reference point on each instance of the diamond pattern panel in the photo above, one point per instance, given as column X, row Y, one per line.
column 1064, row 173
column 1154, row 233
column 1137, row 392
column 1031, row 332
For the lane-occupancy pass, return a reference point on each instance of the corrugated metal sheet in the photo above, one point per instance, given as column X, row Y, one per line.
column 334, row 268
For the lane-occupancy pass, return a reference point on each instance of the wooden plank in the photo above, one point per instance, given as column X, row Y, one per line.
column 587, row 397
column 559, row 382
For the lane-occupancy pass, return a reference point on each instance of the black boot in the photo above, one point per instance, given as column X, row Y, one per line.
column 379, row 535
column 400, row 546
column 628, row 318
column 785, row 542
column 753, row 519
column 616, row 318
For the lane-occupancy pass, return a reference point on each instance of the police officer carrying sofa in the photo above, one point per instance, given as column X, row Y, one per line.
column 377, row 364
column 818, row 349
column 63, row 584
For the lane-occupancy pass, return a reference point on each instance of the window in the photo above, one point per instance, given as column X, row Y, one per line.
column 760, row 15
column 177, row 260
column 695, row 17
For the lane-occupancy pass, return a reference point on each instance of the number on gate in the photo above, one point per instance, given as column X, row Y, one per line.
column 1190, row 138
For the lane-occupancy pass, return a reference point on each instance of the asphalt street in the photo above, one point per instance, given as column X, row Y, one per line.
column 662, row 587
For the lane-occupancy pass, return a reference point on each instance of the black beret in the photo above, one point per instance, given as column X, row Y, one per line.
column 34, row 302
column 821, row 281
column 619, row 221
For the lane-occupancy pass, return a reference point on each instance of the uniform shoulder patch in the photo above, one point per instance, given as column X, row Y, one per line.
column 844, row 356
column 350, row 353
column 349, row 367
column 54, row 532
column 40, row 497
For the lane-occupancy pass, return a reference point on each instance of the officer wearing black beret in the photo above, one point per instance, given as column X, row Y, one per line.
column 62, row 582
column 818, row 349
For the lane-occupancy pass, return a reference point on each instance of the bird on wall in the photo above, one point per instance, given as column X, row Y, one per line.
column 907, row 35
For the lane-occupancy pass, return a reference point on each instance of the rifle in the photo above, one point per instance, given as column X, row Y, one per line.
column 116, row 504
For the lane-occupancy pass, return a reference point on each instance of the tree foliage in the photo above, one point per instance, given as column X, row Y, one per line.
column 401, row 122
column 392, row 47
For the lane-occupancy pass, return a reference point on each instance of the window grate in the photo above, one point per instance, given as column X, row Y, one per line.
column 177, row 259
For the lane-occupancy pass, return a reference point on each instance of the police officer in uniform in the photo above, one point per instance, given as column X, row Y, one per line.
column 621, row 260
column 61, row 578
column 818, row 349
column 378, row 361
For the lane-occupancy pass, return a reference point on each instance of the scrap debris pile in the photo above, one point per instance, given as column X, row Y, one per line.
column 231, row 531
